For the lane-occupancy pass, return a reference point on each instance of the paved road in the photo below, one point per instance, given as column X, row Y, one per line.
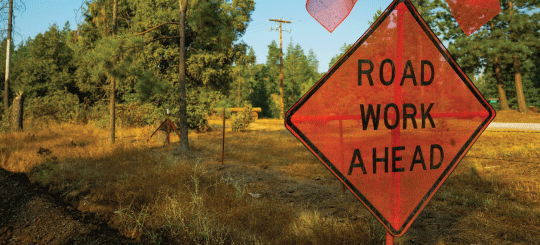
column 519, row 126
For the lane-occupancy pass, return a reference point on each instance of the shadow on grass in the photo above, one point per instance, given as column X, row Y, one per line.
column 476, row 208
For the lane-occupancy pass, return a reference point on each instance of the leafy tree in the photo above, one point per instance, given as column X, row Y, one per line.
column 496, row 49
column 211, row 30
column 242, row 78
column 260, row 96
column 44, row 64
column 300, row 73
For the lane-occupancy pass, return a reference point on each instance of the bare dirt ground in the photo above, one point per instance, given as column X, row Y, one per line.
column 29, row 215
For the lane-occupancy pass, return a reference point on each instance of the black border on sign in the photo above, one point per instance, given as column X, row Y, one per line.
column 401, row 230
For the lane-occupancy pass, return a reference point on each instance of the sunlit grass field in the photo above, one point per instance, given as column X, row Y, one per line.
column 159, row 195
column 516, row 117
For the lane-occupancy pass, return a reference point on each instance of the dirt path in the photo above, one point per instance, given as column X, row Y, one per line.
column 520, row 126
column 28, row 215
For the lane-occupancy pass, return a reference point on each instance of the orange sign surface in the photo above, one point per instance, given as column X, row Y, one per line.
column 393, row 117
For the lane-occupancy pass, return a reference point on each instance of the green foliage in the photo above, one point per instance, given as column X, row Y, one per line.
column 43, row 65
column 342, row 50
column 300, row 74
column 512, row 32
column 138, row 114
column 242, row 119
column 59, row 106
column 201, row 101
column 260, row 96
column 5, row 122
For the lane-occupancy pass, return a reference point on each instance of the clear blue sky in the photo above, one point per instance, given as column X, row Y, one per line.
column 306, row 31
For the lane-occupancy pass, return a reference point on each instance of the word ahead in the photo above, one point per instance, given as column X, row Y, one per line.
column 418, row 158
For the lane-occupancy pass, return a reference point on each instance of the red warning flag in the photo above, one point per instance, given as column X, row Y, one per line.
column 473, row 14
column 329, row 13
column 470, row 14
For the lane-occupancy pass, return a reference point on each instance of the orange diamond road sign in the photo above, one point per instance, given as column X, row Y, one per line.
column 393, row 117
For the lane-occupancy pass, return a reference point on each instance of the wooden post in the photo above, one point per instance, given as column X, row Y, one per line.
column 223, row 141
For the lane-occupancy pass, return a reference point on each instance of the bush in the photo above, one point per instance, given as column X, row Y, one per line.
column 5, row 121
column 137, row 114
column 61, row 106
column 242, row 119
column 200, row 103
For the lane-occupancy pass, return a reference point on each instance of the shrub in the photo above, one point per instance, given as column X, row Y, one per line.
column 242, row 119
column 200, row 103
column 137, row 114
column 5, row 125
column 61, row 106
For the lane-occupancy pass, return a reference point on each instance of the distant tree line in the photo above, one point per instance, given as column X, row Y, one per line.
column 66, row 75
column 258, row 84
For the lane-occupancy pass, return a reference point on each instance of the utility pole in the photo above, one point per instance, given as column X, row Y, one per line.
column 281, row 113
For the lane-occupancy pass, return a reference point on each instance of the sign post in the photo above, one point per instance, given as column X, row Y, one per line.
column 392, row 118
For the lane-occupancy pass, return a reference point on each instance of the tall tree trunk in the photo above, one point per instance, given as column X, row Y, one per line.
column 183, row 128
column 112, row 115
column 498, row 75
column 522, row 106
column 8, row 50
column 17, row 115
column 500, row 85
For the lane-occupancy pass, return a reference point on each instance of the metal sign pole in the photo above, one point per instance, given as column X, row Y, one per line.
column 223, row 141
column 168, row 130
column 389, row 239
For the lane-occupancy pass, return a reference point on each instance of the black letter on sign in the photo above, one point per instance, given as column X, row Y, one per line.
column 395, row 159
column 405, row 75
column 381, row 70
column 385, row 160
column 422, row 81
column 370, row 113
column 431, row 165
column 418, row 152
column 396, row 121
column 409, row 115
column 360, row 163
column 425, row 114
column 367, row 72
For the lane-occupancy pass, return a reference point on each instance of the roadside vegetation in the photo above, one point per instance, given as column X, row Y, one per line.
column 158, row 195
column 516, row 117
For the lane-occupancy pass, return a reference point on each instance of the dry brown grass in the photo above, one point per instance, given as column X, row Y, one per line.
column 160, row 195
column 515, row 116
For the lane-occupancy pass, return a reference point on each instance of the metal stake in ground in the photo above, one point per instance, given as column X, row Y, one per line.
column 223, row 141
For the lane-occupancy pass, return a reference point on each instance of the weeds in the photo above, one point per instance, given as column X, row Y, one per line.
column 160, row 196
